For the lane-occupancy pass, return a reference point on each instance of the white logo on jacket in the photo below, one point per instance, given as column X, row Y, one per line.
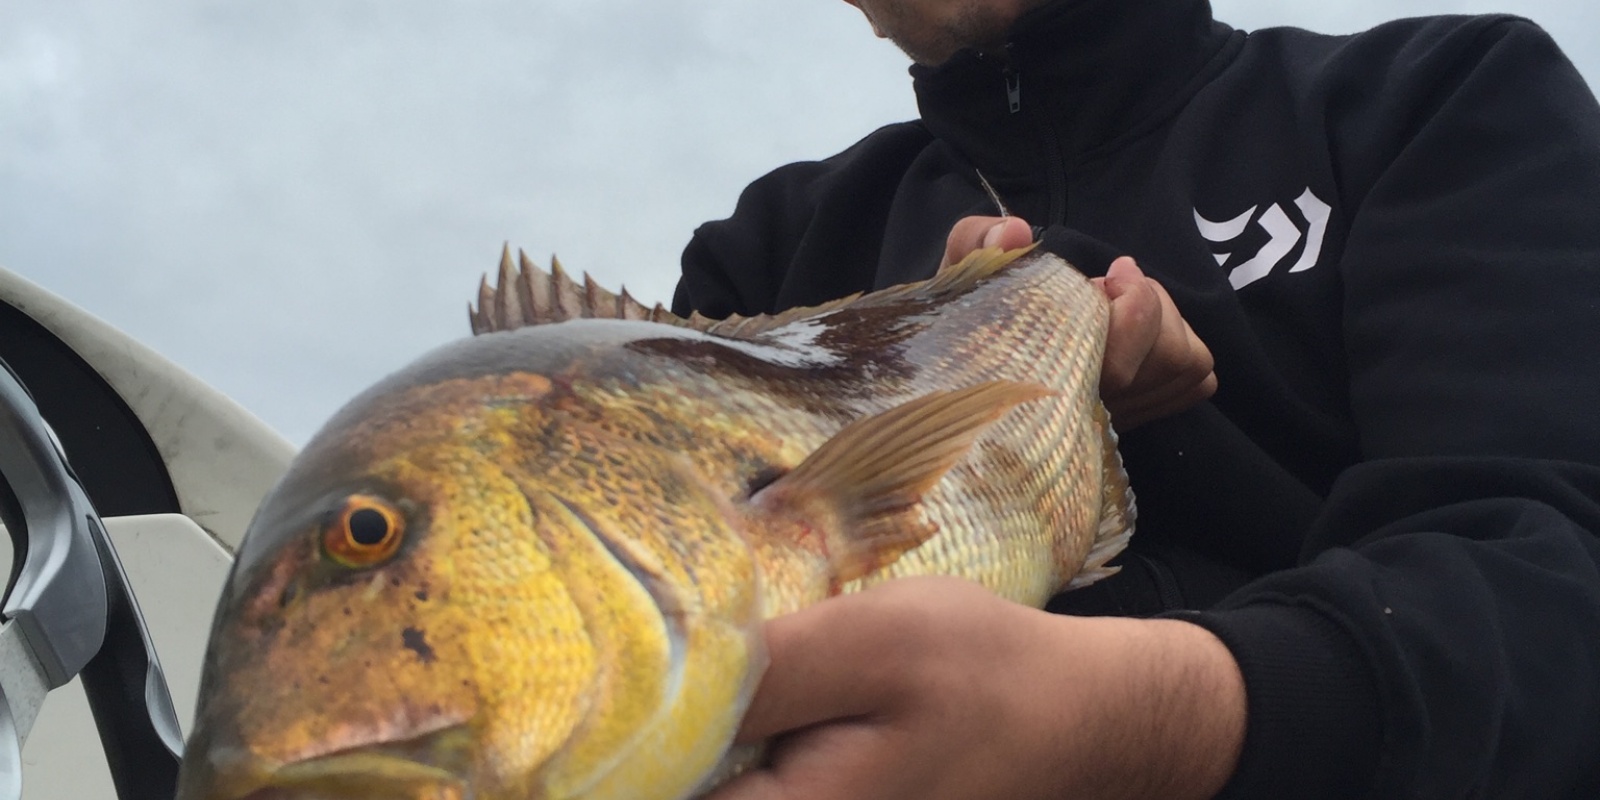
column 1283, row 235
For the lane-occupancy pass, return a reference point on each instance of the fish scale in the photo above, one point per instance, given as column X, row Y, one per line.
column 591, row 507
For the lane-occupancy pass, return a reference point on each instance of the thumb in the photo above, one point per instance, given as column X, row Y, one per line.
column 975, row 233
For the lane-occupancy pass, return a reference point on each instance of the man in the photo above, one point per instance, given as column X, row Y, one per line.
column 1374, row 551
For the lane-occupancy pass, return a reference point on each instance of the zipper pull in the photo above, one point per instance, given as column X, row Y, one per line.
column 1013, row 89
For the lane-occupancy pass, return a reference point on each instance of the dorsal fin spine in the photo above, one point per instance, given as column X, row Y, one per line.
column 524, row 287
column 502, row 310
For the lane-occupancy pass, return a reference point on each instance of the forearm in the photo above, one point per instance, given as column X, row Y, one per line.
column 1165, row 716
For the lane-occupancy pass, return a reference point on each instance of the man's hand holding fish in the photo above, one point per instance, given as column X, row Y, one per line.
column 1155, row 365
column 936, row 689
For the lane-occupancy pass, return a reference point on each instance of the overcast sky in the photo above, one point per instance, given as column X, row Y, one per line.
column 291, row 198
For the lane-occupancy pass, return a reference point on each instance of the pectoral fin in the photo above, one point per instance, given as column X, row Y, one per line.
column 859, row 495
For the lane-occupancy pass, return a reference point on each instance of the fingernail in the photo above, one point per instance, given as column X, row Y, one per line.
column 993, row 237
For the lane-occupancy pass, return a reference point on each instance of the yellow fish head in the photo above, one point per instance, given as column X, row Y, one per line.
column 458, row 593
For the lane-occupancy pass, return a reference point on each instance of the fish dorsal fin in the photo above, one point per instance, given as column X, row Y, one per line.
column 955, row 278
column 526, row 295
column 863, row 488
column 978, row 264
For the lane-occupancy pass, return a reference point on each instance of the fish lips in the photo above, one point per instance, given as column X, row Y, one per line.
column 433, row 766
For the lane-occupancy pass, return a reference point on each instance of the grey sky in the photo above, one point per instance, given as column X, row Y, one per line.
column 292, row 198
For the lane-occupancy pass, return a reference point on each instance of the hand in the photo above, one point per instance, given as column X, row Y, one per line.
column 1154, row 365
column 936, row 688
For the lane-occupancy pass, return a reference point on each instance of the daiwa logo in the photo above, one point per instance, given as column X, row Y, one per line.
column 1283, row 235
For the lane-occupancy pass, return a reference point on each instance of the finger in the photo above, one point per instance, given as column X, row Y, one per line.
column 1126, row 416
column 1134, row 328
column 759, row 784
column 1178, row 355
column 835, row 762
column 1187, row 389
column 1130, row 410
column 829, row 661
column 1155, row 363
column 966, row 236
column 975, row 233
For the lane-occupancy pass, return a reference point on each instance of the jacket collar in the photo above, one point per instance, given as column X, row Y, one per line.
column 1080, row 73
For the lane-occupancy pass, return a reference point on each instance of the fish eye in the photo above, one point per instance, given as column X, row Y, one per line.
column 366, row 531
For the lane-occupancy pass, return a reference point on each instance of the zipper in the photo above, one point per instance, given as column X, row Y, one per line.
column 1055, row 166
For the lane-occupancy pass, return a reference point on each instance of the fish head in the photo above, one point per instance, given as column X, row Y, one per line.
column 464, row 590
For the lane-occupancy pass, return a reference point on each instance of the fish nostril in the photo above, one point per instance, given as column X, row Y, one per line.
column 289, row 592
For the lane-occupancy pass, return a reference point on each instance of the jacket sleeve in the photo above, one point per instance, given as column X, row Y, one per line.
column 1441, row 637
column 815, row 231
column 731, row 266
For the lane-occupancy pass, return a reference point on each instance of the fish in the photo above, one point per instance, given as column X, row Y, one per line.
column 535, row 563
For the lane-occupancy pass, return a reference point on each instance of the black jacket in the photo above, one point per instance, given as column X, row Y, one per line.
column 1391, row 243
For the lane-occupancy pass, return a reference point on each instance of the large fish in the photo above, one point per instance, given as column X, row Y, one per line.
column 535, row 563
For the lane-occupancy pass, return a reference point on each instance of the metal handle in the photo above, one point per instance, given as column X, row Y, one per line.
column 58, row 597
column 71, row 601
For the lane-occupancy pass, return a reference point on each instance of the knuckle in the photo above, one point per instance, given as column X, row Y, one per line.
column 1116, row 377
column 1195, row 372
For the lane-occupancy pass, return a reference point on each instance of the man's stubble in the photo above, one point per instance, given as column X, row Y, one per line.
column 931, row 35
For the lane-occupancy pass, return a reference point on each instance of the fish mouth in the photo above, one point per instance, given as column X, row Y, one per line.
column 363, row 774
column 435, row 766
